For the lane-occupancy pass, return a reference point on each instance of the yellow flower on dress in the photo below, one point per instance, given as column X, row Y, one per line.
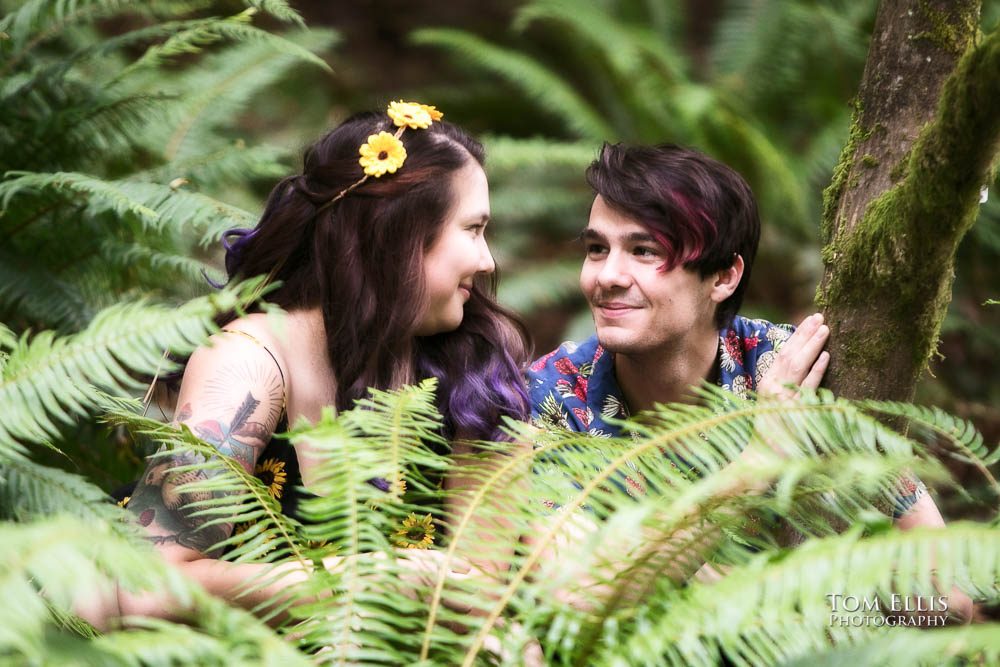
column 241, row 528
column 382, row 153
column 272, row 473
column 432, row 112
column 415, row 533
column 412, row 115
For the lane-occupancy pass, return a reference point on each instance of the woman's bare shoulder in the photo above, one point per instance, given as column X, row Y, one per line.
column 281, row 334
column 298, row 341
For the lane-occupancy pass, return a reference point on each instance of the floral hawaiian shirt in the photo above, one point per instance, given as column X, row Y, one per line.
column 574, row 386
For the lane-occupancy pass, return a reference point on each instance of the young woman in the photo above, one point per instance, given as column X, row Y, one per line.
column 385, row 277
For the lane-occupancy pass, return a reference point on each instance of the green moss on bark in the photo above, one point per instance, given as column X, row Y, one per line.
column 945, row 33
column 901, row 253
column 841, row 175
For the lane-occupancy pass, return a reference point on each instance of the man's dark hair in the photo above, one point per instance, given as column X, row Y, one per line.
column 700, row 210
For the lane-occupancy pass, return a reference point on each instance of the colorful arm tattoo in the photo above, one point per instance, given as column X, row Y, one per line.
column 158, row 501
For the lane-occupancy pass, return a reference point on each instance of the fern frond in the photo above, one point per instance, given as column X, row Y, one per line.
column 279, row 9
column 156, row 206
column 217, row 90
column 744, row 613
column 47, row 380
column 8, row 339
column 230, row 163
column 550, row 91
column 972, row 644
column 40, row 298
column 508, row 155
column 762, row 162
column 37, row 21
column 588, row 22
column 524, row 202
column 70, row 561
column 403, row 427
column 707, row 438
column 30, row 491
column 198, row 35
column 384, row 437
column 223, row 639
column 961, row 433
column 106, row 193
column 67, row 560
column 661, row 541
column 80, row 129
column 488, row 482
column 378, row 439
column 166, row 266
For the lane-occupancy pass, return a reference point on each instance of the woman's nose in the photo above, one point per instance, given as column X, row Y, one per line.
column 486, row 263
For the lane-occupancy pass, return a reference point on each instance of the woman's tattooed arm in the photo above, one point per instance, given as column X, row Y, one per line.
column 232, row 398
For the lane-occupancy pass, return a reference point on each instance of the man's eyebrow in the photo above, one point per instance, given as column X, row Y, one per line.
column 590, row 234
column 641, row 237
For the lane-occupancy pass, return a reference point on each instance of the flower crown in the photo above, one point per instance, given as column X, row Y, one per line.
column 384, row 153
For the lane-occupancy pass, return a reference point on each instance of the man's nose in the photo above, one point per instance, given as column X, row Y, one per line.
column 614, row 272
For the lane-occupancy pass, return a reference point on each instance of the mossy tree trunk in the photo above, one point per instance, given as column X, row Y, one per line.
column 924, row 140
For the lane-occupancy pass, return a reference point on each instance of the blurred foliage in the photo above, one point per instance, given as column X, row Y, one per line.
column 123, row 159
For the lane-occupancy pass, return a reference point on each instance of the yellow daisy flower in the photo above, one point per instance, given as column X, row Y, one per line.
column 432, row 112
column 383, row 153
column 272, row 473
column 412, row 115
column 415, row 533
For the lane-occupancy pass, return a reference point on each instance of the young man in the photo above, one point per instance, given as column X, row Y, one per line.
column 669, row 248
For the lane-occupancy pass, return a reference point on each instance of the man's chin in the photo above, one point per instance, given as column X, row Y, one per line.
column 617, row 339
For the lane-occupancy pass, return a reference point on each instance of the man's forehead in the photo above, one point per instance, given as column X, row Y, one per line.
column 609, row 222
column 623, row 230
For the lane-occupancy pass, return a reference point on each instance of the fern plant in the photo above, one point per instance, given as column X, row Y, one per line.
column 121, row 161
column 116, row 149
column 603, row 578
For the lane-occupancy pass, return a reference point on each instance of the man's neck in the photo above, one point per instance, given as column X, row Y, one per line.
column 666, row 375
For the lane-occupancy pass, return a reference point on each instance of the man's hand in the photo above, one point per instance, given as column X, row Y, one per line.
column 801, row 360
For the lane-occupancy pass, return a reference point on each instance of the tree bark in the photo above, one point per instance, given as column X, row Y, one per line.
column 924, row 140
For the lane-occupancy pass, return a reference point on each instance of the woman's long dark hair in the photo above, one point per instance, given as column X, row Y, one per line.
column 361, row 261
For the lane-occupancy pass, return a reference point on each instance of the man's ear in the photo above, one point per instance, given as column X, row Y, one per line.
column 727, row 280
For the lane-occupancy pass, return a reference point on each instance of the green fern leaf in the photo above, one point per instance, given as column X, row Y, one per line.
column 541, row 84
column 47, row 380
